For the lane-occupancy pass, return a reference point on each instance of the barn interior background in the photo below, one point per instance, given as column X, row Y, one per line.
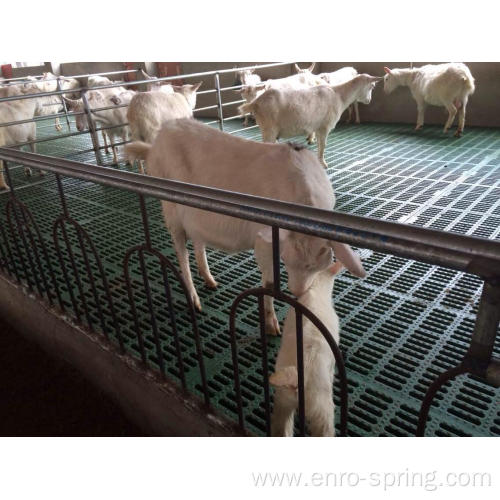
column 64, row 238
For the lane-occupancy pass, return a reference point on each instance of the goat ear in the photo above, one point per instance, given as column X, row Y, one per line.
column 285, row 377
column 266, row 234
column 335, row 268
column 311, row 67
column 145, row 75
column 350, row 259
column 196, row 86
column 387, row 70
column 297, row 68
column 376, row 79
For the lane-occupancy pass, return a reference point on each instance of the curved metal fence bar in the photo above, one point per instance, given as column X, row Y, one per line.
column 92, row 113
column 166, row 266
column 84, row 242
column 302, row 311
column 14, row 205
column 464, row 253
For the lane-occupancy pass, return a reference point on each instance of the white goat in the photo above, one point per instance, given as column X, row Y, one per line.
column 189, row 151
column 23, row 109
column 338, row 77
column 157, row 85
column 287, row 113
column 249, row 81
column 107, row 117
column 319, row 363
column 448, row 85
column 149, row 110
column 50, row 105
column 304, row 79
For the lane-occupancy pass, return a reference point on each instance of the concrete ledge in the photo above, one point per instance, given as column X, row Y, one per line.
column 158, row 407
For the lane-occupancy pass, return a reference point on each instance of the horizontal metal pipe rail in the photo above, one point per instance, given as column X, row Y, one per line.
column 219, row 106
column 15, row 81
column 139, row 82
column 464, row 253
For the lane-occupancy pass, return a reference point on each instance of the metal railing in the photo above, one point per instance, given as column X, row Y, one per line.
column 217, row 91
column 463, row 253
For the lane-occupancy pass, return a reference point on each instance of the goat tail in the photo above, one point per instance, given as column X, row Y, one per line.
column 245, row 108
column 137, row 151
column 469, row 84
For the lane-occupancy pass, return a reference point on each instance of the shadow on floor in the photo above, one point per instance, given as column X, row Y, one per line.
column 43, row 396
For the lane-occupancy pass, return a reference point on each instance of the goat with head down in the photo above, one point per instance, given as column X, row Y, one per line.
column 188, row 151
column 319, row 362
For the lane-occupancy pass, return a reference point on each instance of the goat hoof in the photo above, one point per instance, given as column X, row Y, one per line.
column 211, row 283
column 27, row 172
column 272, row 326
column 458, row 133
column 196, row 302
column 58, row 128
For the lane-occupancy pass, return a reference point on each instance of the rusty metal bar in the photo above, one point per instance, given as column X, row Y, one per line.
column 265, row 364
column 300, row 371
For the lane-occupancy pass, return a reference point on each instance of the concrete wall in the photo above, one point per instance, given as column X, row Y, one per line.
column 399, row 107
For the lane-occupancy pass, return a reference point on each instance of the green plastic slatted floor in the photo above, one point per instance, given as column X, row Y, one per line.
column 400, row 327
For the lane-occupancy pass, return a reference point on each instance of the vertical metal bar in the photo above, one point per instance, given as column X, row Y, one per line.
column 154, row 325
column 90, row 275
column 63, row 103
column 173, row 320
column 21, row 257
column 76, row 274
column 35, row 251
column 145, row 222
column 62, row 198
column 276, row 259
column 62, row 222
column 300, row 371
column 220, row 110
column 7, row 244
column 130, row 293
column 236, row 369
column 92, row 129
column 486, row 327
column 264, row 359
column 4, row 262
column 64, row 269
column 59, row 254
